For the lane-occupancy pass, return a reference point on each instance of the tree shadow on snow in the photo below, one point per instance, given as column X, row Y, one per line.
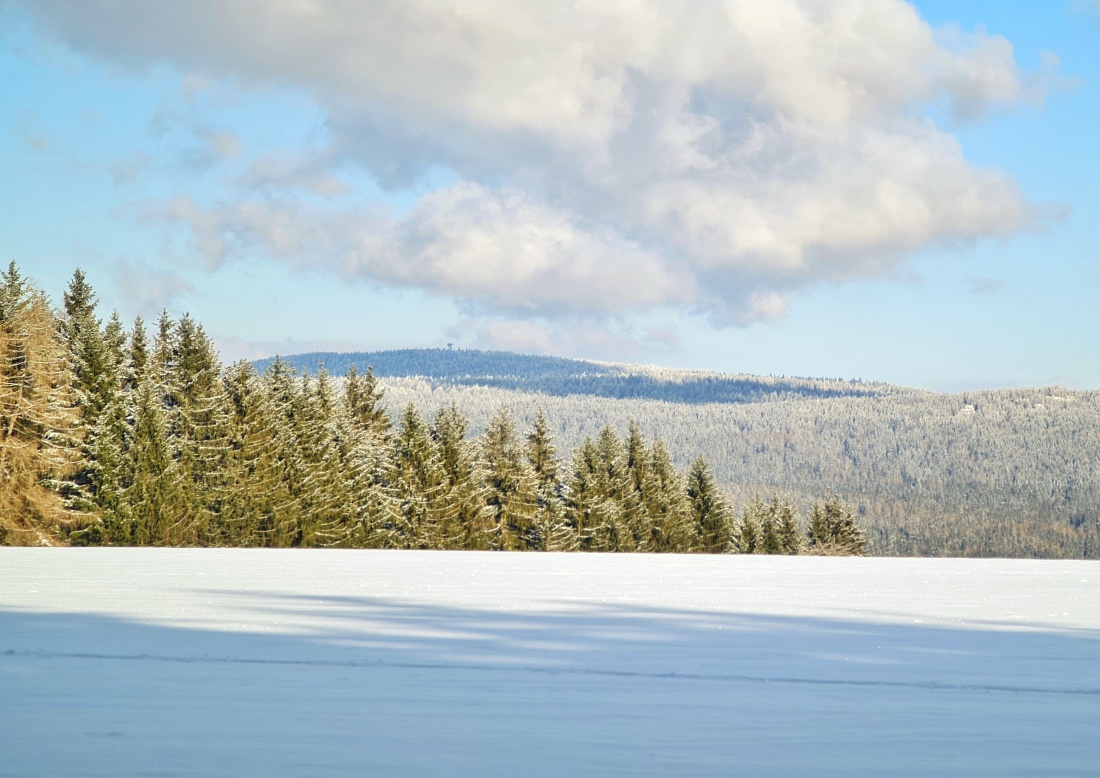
column 271, row 684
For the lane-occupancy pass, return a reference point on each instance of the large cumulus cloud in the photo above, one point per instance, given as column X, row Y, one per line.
column 610, row 157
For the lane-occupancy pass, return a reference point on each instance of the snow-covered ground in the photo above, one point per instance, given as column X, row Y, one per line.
column 170, row 662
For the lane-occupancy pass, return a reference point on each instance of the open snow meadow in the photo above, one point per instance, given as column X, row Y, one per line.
column 181, row 662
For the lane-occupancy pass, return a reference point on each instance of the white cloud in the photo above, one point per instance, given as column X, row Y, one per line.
column 271, row 173
column 611, row 157
column 149, row 290
column 498, row 251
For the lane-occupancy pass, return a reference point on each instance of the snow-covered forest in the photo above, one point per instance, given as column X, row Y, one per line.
column 1010, row 472
column 116, row 436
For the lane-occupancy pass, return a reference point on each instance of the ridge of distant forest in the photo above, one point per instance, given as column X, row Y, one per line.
column 562, row 377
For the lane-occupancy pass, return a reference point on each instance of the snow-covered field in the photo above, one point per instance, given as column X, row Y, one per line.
column 161, row 662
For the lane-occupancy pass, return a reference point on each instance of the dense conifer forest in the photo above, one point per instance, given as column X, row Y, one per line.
column 116, row 435
column 1010, row 473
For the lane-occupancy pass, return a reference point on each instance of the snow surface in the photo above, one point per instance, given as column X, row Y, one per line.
column 182, row 662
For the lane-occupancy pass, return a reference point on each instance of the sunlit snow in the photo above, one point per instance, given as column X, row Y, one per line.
column 170, row 662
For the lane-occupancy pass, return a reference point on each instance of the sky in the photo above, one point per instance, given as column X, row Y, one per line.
column 873, row 189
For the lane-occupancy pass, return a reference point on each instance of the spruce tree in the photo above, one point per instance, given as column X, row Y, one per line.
column 197, row 415
column 254, row 498
column 582, row 497
column 770, row 541
column 95, row 379
column 91, row 355
column 511, row 492
column 709, row 510
column 833, row 530
column 553, row 531
column 420, row 484
column 747, row 539
column 786, row 526
column 671, row 525
column 636, row 519
column 325, row 513
column 137, row 356
column 463, row 522
column 363, row 400
column 371, row 463
column 283, row 390
column 155, row 499
column 610, row 488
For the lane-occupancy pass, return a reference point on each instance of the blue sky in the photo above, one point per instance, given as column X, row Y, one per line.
column 875, row 190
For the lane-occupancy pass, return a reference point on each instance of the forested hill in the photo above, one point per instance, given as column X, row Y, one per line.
column 560, row 377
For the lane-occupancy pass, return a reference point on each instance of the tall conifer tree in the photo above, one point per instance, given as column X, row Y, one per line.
column 708, row 509
column 553, row 531
column 511, row 486
column 464, row 522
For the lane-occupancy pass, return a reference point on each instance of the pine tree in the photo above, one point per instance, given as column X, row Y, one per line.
column 708, row 509
column 608, row 529
column 94, row 364
column 197, row 417
column 833, row 529
column 786, row 526
column 114, row 343
column 156, row 509
column 110, row 473
column 636, row 519
column 363, row 399
column 162, row 347
column 91, row 355
column 671, row 525
column 748, row 531
column 582, row 495
column 325, row 515
column 420, row 483
column 371, row 469
column 464, row 520
column 137, row 356
column 254, row 499
column 511, row 487
column 283, row 391
column 553, row 531
column 770, row 542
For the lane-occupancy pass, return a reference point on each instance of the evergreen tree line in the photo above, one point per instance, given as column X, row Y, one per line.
column 116, row 436
column 1005, row 473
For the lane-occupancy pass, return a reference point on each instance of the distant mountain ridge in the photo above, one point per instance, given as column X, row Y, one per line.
column 561, row 377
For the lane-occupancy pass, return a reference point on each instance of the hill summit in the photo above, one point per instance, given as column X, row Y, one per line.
column 560, row 377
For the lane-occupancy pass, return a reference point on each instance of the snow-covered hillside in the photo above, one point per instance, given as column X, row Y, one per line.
column 243, row 662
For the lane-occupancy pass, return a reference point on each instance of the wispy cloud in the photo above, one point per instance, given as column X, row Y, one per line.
column 593, row 339
column 232, row 349
column 983, row 285
column 148, row 289
column 127, row 170
column 611, row 158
